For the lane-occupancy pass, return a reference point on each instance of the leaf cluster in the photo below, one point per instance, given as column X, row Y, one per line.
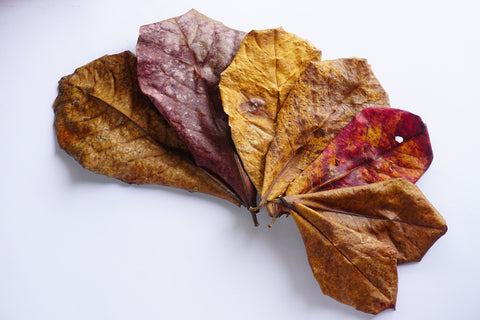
column 207, row 108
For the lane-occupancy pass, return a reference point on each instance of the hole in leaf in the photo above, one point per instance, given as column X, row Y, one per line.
column 399, row 139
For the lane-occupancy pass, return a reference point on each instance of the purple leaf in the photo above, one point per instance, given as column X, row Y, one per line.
column 179, row 66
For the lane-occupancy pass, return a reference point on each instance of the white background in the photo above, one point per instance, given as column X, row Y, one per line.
column 75, row 245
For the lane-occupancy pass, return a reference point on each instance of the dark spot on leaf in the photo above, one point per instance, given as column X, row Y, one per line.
column 254, row 105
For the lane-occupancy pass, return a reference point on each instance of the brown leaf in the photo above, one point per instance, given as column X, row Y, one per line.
column 254, row 88
column 326, row 97
column 104, row 121
column 351, row 267
column 179, row 65
column 355, row 236
column 394, row 212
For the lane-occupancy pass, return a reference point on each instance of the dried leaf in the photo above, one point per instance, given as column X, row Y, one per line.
column 354, row 236
column 350, row 267
column 254, row 88
column 326, row 97
column 104, row 121
column 394, row 212
column 379, row 144
column 179, row 65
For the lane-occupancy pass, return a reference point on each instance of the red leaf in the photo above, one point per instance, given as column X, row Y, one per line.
column 379, row 144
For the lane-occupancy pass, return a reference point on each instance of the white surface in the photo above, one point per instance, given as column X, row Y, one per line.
column 75, row 245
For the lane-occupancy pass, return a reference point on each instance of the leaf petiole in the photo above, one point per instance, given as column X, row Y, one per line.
column 278, row 213
column 253, row 212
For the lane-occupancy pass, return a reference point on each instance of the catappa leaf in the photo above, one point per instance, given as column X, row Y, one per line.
column 393, row 211
column 326, row 97
column 179, row 65
column 345, row 204
column 352, row 268
column 354, row 237
column 254, row 88
column 379, row 144
column 103, row 120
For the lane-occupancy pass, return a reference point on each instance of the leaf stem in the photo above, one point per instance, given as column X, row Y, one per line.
column 281, row 200
column 278, row 213
column 274, row 218
column 257, row 208
column 253, row 212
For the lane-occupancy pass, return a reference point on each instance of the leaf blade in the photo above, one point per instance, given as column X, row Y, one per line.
column 179, row 64
column 366, row 151
column 254, row 88
column 394, row 212
column 326, row 97
column 104, row 121
column 351, row 268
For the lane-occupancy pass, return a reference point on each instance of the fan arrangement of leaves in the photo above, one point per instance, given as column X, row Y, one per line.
column 210, row 109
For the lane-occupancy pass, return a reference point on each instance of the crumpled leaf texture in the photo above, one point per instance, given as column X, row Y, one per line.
column 353, row 269
column 179, row 64
column 104, row 121
column 230, row 114
column 325, row 140
column 254, row 88
column 379, row 144
column 393, row 211
column 326, row 97
column 355, row 236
